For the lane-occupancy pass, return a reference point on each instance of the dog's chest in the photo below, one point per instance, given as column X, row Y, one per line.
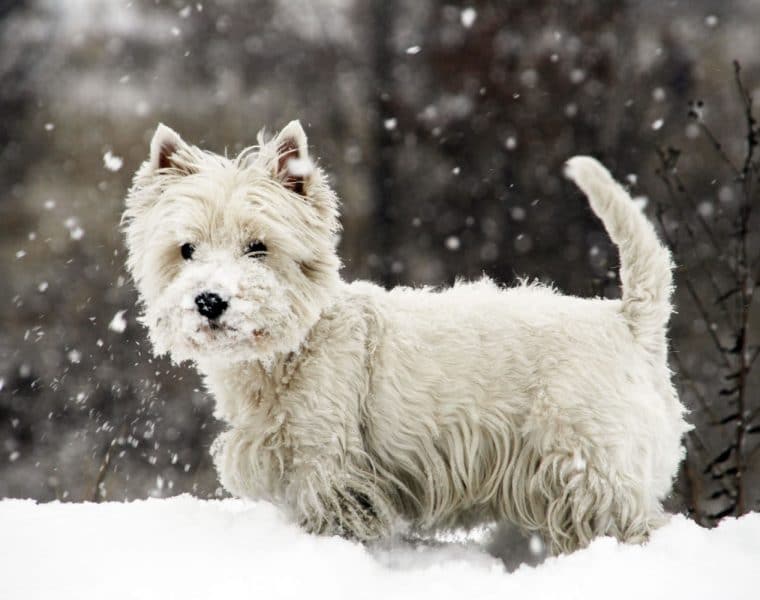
column 276, row 429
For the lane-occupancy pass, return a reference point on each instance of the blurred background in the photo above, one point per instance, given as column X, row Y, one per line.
column 443, row 126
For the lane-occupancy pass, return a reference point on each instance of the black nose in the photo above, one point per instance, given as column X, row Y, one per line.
column 210, row 305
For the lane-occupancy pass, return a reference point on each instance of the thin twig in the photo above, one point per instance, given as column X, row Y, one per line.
column 105, row 464
column 718, row 147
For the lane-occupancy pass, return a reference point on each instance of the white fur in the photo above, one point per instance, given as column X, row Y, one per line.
column 361, row 411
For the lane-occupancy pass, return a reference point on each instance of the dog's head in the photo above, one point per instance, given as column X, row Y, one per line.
column 234, row 259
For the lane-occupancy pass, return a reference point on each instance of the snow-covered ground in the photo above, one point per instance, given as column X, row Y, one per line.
column 227, row 549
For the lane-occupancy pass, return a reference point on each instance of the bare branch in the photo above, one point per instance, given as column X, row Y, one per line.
column 95, row 496
column 718, row 147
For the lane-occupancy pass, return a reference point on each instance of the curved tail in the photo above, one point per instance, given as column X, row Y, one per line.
column 645, row 264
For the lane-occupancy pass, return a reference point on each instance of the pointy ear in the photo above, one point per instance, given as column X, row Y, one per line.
column 163, row 150
column 292, row 167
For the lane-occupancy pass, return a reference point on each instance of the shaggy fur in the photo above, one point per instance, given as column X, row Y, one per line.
column 363, row 411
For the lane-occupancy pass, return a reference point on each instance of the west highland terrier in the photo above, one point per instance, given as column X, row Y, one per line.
column 365, row 412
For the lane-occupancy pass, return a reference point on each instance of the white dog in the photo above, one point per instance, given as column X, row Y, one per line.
column 362, row 410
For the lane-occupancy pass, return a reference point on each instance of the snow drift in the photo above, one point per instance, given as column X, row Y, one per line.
column 187, row 548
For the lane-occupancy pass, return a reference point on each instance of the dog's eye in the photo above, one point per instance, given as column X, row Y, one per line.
column 187, row 250
column 256, row 248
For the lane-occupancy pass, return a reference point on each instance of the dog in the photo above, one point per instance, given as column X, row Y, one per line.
column 365, row 412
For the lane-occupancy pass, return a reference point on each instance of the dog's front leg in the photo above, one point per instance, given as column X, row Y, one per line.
column 337, row 503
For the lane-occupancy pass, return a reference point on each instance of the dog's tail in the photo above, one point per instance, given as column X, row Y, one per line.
column 645, row 264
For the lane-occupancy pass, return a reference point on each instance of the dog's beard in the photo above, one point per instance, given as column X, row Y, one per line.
column 258, row 323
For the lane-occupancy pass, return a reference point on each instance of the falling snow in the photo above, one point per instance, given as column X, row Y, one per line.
column 118, row 324
column 453, row 243
column 112, row 162
column 468, row 17
column 300, row 167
